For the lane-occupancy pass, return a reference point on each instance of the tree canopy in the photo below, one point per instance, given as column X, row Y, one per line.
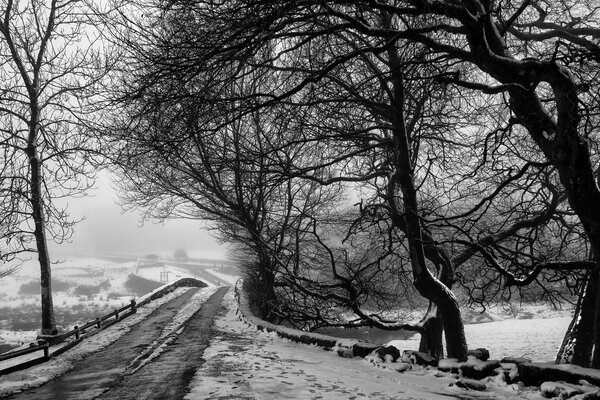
column 361, row 153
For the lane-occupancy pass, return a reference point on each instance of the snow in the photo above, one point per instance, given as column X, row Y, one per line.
column 242, row 362
column 229, row 279
column 77, row 271
column 16, row 338
column 173, row 328
column 171, row 273
column 536, row 339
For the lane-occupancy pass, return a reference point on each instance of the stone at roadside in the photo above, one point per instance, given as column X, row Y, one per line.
column 515, row 360
column 534, row 374
column 510, row 372
column 470, row 384
column 480, row 353
column 363, row 349
column 401, row 367
column 316, row 339
column 388, row 353
column 477, row 369
column 564, row 390
column 587, row 396
column 345, row 352
column 556, row 389
column 451, row 365
column 418, row 357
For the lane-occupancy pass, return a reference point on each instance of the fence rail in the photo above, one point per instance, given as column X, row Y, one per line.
column 32, row 349
column 118, row 314
column 77, row 331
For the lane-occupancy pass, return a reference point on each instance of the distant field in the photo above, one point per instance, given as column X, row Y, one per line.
column 87, row 288
column 83, row 289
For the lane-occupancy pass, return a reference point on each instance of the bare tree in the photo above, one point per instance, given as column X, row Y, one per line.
column 47, row 80
column 535, row 140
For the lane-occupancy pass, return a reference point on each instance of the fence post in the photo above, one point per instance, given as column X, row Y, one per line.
column 76, row 332
column 133, row 309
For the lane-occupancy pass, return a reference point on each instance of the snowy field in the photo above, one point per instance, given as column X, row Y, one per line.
column 537, row 339
column 243, row 363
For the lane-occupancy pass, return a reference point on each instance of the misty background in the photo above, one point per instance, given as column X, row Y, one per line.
column 107, row 229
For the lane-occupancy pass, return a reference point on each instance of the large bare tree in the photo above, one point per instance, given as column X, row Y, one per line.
column 49, row 66
column 519, row 82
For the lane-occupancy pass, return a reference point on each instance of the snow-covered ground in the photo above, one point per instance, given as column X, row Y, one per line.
column 165, row 273
column 228, row 279
column 244, row 363
column 537, row 339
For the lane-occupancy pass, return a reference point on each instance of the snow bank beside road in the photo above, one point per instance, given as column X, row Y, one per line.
column 242, row 362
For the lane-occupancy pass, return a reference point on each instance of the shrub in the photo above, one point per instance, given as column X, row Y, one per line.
column 61, row 286
column 86, row 290
column 140, row 286
column 105, row 285
column 33, row 287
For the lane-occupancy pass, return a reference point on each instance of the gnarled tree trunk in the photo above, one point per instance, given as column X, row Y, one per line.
column 402, row 199
column 581, row 345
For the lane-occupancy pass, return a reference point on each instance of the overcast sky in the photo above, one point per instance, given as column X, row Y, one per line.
column 107, row 229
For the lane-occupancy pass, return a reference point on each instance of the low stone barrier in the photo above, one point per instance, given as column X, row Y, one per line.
column 554, row 380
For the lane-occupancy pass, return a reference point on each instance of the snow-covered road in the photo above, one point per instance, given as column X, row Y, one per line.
column 243, row 363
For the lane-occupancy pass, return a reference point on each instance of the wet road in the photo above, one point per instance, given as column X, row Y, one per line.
column 121, row 371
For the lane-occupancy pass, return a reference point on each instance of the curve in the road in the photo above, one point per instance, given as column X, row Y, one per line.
column 168, row 376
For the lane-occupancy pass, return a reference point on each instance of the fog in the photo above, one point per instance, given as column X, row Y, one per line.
column 107, row 229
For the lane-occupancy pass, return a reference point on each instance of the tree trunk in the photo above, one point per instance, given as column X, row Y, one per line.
column 565, row 353
column 268, row 296
column 37, row 214
column 595, row 361
column 37, row 206
column 433, row 330
column 581, row 345
column 260, row 286
column 405, row 215
column 456, row 341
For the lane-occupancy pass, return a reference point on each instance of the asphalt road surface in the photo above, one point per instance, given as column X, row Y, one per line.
column 113, row 372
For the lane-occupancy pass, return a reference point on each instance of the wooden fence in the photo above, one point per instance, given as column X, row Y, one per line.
column 90, row 328
column 78, row 331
